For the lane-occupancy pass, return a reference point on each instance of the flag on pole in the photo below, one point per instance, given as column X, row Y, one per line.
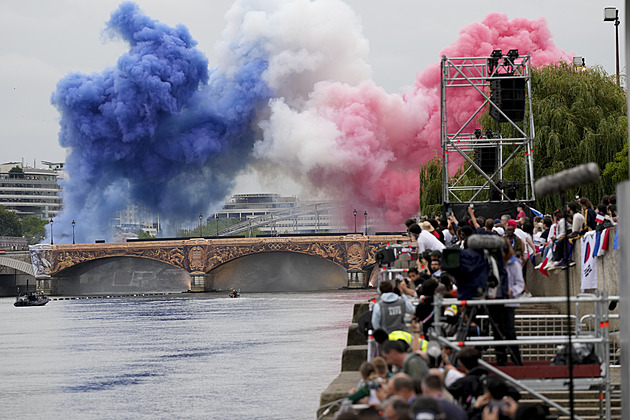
column 536, row 212
column 599, row 218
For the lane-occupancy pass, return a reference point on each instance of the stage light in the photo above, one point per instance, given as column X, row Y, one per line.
column 489, row 134
column 478, row 133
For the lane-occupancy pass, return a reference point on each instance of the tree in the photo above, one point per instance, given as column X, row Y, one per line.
column 143, row 234
column 9, row 223
column 579, row 117
column 34, row 229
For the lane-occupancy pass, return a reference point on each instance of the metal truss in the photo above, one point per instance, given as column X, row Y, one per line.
column 474, row 75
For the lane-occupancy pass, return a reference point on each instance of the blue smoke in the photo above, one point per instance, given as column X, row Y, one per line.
column 158, row 129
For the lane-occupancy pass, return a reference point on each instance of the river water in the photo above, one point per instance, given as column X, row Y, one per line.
column 261, row 356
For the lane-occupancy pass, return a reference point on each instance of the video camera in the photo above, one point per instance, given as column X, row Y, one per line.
column 477, row 268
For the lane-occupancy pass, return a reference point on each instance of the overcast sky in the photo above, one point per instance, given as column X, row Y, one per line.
column 43, row 40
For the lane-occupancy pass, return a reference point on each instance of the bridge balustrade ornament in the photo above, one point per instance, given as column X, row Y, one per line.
column 202, row 255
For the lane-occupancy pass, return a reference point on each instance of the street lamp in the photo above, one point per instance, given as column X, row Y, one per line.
column 73, row 232
column 365, row 215
column 355, row 220
column 611, row 14
column 200, row 228
column 216, row 218
column 51, row 231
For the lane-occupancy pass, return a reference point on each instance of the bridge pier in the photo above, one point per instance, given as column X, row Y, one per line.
column 357, row 279
column 198, row 282
column 44, row 284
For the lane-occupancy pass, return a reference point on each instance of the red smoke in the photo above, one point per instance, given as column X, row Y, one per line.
column 383, row 139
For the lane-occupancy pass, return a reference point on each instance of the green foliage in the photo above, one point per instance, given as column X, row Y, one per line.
column 9, row 223
column 34, row 229
column 143, row 234
column 579, row 117
column 210, row 228
column 617, row 171
column 430, row 176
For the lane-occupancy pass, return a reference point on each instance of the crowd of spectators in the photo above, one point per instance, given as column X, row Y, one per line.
column 410, row 379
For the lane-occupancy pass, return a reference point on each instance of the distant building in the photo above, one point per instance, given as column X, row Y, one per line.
column 132, row 219
column 291, row 215
column 30, row 191
column 13, row 243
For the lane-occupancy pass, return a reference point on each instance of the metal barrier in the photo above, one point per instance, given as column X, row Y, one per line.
column 600, row 337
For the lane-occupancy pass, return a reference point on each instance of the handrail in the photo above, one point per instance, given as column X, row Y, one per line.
column 329, row 406
column 599, row 337
column 511, row 380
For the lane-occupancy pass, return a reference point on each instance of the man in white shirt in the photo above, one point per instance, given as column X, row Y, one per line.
column 426, row 240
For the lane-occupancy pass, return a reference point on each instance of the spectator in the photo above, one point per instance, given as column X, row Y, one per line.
column 427, row 406
column 435, row 267
column 433, row 387
column 467, row 389
column 547, row 223
column 424, row 308
column 589, row 213
column 401, row 385
column 498, row 228
column 437, row 232
column 520, row 212
column 497, row 393
column 397, row 353
column 366, row 385
column 537, row 236
column 380, row 367
column 515, row 241
column 389, row 312
column 446, row 232
column 426, row 240
column 578, row 220
column 396, row 408
column 526, row 237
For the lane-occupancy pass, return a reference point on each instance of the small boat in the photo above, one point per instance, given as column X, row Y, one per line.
column 234, row 293
column 31, row 299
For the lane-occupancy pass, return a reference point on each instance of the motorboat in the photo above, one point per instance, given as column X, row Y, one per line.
column 234, row 293
column 31, row 299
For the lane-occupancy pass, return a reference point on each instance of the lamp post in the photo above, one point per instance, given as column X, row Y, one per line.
column 51, row 231
column 200, row 229
column 365, row 215
column 355, row 220
column 73, row 232
column 611, row 14
column 216, row 219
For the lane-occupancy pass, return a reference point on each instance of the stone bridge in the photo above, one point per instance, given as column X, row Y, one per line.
column 199, row 256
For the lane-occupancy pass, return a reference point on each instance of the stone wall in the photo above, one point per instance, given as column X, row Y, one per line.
column 555, row 284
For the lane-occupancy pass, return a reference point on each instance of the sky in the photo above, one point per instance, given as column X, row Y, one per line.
column 43, row 40
column 388, row 44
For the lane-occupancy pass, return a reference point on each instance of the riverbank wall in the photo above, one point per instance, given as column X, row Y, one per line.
column 352, row 356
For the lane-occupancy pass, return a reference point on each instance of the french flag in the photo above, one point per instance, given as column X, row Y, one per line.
column 546, row 259
column 536, row 212
column 599, row 218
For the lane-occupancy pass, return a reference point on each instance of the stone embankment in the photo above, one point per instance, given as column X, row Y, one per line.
column 352, row 356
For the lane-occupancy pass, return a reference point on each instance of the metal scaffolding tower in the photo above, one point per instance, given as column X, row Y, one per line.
column 503, row 84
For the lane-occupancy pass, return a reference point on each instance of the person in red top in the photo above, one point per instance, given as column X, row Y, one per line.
column 520, row 212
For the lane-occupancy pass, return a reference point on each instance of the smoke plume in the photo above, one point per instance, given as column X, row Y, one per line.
column 290, row 95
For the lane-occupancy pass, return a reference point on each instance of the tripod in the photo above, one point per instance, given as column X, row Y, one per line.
column 469, row 314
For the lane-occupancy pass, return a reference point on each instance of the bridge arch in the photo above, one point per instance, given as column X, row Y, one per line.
column 274, row 271
column 121, row 274
column 17, row 265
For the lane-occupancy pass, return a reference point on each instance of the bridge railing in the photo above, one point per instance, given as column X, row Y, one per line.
column 277, row 216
